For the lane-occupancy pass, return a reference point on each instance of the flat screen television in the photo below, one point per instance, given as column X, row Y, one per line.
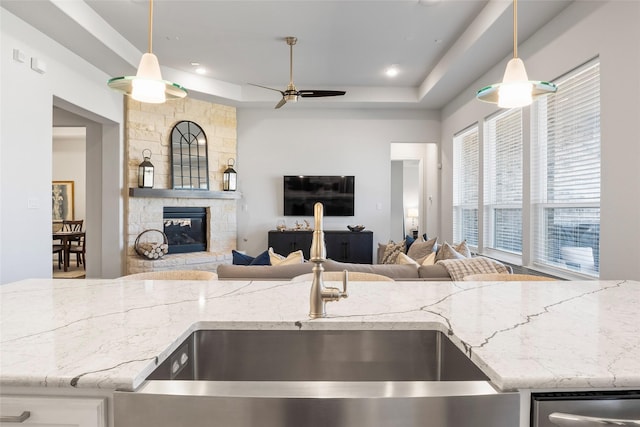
column 336, row 193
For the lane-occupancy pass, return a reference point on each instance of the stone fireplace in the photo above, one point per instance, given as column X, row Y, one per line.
column 148, row 126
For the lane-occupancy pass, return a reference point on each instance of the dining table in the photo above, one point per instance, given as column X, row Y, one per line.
column 66, row 237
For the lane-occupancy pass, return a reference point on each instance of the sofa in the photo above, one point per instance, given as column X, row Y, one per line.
column 414, row 260
column 405, row 272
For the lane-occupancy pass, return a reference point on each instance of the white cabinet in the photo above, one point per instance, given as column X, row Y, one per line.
column 48, row 411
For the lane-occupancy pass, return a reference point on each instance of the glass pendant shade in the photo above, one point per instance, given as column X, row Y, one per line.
column 516, row 90
column 147, row 85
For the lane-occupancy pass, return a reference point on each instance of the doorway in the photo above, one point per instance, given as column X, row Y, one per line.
column 414, row 186
column 104, row 200
column 68, row 172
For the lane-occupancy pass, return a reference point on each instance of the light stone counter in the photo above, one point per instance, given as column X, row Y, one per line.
column 110, row 334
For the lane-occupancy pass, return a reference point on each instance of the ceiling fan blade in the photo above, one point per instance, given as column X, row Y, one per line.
column 281, row 103
column 320, row 93
column 265, row 87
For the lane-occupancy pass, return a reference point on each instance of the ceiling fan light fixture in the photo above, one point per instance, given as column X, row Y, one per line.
column 516, row 90
column 147, row 85
column 291, row 94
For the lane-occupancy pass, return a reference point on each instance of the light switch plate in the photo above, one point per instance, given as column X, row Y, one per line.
column 19, row 56
column 38, row 65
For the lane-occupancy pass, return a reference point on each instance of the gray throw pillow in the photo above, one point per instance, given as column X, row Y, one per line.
column 446, row 251
column 463, row 249
column 420, row 250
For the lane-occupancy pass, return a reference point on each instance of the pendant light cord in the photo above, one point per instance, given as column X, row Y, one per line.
column 150, row 26
column 515, row 28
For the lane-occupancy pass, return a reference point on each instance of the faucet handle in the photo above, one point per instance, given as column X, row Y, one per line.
column 345, row 281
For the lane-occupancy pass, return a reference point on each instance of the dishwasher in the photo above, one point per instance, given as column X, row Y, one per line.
column 586, row 409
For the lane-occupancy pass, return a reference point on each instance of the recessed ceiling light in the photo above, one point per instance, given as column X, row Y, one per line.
column 392, row 71
column 201, row 70
column 195, row 64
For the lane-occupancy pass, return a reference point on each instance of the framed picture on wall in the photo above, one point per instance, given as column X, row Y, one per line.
column 62, row 200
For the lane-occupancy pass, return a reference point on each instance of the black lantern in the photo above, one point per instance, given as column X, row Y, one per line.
column 145, row 171
column 229, row 177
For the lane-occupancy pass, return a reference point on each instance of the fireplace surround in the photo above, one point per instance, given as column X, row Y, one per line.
column 185, row 228
column 148, row 126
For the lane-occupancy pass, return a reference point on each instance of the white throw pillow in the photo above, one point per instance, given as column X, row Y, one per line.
column 293, row 258
column 429, row 259
column 404, row 259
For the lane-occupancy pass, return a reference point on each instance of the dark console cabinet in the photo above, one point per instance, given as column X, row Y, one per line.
column 285, row 242
column 349, row 246
column 343, row 246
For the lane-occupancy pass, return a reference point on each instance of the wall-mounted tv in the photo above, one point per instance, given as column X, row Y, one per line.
column 336, row 193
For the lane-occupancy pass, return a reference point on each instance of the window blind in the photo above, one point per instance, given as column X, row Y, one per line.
column 502, row 192
column 566, row 173
column 465, row 186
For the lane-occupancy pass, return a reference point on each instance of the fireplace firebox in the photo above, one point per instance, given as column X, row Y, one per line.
column 186, row 229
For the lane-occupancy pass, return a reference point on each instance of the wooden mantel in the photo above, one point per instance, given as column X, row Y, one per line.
column 183, row 194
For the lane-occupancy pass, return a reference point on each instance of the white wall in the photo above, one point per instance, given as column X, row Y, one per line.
column 26, row 144
column 610, row 30
column 291, row 141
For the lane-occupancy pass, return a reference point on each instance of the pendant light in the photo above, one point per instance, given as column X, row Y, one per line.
column 147, row 85
column 516, row 90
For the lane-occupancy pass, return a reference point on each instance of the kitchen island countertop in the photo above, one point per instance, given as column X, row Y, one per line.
column 110, row 334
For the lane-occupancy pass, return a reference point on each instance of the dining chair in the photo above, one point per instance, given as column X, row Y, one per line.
column 72, row 225
column 78, row 247
column 58, row 249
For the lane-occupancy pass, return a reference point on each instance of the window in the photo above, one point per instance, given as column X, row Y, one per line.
column 465, row 186
column 502, row 194
column 566, row 173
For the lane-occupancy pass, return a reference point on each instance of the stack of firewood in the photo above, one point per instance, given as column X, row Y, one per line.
column 152, row 250
column 149, row 248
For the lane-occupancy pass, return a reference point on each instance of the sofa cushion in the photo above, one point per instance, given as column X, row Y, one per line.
column 262, row 272
column 435, row 272
column 395, row 271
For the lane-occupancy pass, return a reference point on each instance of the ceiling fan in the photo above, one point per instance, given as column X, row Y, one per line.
column 291, row 94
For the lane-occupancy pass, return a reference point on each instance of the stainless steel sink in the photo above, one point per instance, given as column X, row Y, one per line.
column 237, row 378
